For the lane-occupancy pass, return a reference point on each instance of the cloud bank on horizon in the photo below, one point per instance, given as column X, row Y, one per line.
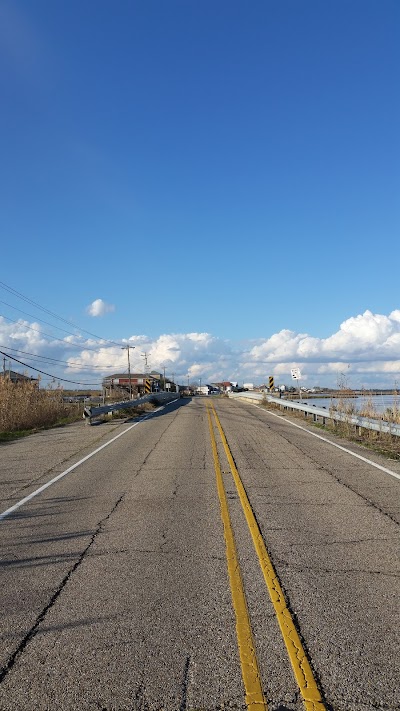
column 366, row 349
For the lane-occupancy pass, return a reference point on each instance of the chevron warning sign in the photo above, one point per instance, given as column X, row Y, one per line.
column 147, row 386
column 271, row 382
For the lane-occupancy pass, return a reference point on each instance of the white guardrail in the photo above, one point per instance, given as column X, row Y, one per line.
column 321, row 412
column 159, row 398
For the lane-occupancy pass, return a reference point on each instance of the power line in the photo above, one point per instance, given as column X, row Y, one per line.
column 38, row 319
column 53, row 338
column 51, row 313
column 75, row 382
column 57, row 360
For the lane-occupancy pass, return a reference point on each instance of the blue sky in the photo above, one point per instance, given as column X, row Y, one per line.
column 220, row 168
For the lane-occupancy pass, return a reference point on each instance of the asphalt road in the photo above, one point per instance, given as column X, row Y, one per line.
column 114, row 581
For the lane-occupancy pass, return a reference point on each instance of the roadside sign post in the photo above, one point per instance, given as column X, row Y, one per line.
column 296, row 375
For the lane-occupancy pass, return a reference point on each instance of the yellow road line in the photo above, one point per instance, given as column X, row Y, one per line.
column 248, row 659
column 300, row 664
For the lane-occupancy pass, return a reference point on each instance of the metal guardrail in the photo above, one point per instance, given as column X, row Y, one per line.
column 159, row 398
column 318, row 412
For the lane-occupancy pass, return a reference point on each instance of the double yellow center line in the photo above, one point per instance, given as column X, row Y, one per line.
column 250, row 670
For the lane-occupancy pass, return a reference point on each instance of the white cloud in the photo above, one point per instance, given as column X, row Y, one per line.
column 21, row 334
column 366, row 349
column 99, row 308
column 364, row 337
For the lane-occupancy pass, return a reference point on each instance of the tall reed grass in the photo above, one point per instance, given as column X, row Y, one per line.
column 24, row 407
column 384, row 442
column 391, row 414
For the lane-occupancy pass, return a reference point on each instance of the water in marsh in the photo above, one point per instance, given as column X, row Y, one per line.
column 377, row 403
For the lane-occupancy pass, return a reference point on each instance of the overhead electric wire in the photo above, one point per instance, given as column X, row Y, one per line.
column 56, row 377
column 51, row 313
column 66, row 343
column 54, row 338
column 57, row 360
column 39, row 319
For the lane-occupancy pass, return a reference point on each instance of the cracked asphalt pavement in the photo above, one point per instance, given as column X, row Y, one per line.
column 114, row 584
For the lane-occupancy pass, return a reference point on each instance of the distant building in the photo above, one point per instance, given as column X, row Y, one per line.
column 121, row 383
column 204, row 390
column 139, row 383
column 225, row 386
column 18, row 377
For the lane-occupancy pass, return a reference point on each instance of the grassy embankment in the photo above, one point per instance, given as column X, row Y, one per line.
column 383, row 442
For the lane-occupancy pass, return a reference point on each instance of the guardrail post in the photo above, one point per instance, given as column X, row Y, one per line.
column 332, row 414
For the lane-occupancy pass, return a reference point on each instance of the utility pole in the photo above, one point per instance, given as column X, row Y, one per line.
column 145, row 356
column 164, row 378
column 127, row 348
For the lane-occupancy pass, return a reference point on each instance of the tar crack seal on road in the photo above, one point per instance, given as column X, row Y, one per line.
column 42, row 615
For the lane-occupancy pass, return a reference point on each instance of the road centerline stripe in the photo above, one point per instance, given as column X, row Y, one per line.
column 250, row 670
column 298, row 658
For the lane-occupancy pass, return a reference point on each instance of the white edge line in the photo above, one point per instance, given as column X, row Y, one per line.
column 314, row 434
column 74, row 466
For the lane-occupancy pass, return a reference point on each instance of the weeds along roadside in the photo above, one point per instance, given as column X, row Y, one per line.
column 24, row 408
column 381, row 442
column 131, row 412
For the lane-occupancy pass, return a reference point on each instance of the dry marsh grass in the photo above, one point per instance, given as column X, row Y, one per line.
column 346, row 405
column 130, row 412
column 382, row 442
column 25, row 407
column 391, row 414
